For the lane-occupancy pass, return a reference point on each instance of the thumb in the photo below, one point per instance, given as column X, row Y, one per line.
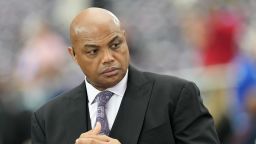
column 97, row 128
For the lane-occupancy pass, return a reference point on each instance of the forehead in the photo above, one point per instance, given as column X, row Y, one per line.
column 97, row 34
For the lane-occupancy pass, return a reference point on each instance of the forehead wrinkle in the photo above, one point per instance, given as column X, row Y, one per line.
column 101, row 40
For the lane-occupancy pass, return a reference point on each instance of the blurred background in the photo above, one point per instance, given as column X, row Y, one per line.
column 211, row 42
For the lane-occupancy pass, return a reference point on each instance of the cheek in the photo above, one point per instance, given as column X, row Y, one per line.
column 125, row 56
column 88, row 66
column 122, row 58
column 90, row 71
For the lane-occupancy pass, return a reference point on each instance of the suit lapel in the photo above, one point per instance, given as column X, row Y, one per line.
column 77, row 114
column 130, row 117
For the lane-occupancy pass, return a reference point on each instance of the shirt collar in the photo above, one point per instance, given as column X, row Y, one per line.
column 118, row 89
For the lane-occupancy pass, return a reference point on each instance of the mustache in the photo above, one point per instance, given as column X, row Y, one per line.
column 109, row 69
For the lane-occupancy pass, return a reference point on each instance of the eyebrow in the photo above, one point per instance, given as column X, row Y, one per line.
column 91, row 46
column 115, row 38
column 96, row 46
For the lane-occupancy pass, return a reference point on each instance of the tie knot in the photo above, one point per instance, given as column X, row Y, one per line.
column 103, row 97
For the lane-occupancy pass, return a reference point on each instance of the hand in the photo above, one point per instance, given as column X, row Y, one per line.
column 93, row 137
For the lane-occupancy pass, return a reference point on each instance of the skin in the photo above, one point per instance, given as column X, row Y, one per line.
column 93, row 137
column 99, row 47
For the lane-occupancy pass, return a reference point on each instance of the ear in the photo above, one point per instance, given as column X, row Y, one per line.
column 72, row 53
column 124, row 33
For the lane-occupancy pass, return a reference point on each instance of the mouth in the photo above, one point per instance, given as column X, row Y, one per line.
column 109, row 72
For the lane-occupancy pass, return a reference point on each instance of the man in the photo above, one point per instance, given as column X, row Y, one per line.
column 142, row 108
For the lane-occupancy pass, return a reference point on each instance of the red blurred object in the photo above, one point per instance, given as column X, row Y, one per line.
column 220, row 45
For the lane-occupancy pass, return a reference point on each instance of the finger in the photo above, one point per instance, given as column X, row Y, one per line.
column 90, row 132
column 89, row 141
column 114, row 141
column 99, row 137
column 94, row 131
column 97, row 128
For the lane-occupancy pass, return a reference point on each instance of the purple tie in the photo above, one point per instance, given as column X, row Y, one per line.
column 102, row 98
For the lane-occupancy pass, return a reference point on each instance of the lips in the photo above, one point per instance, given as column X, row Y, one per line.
column 112, row 71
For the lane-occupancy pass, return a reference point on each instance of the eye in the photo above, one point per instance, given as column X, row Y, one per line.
column 92, row 52
column 115, row 45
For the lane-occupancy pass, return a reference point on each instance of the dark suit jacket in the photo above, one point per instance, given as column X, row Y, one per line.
column 14, row 126
column 155, row 109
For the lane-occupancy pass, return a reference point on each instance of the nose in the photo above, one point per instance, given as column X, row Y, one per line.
column 107, row 56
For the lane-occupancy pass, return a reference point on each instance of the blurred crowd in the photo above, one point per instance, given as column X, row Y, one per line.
column 212, row 43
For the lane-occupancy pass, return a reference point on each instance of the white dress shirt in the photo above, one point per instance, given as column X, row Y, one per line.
column 113, row 104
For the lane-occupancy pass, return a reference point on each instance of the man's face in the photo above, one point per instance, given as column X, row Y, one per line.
column 103, row 56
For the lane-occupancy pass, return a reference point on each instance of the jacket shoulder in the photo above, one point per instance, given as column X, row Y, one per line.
column 166, row 79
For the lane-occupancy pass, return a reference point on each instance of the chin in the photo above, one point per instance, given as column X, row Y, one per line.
column 112, row 82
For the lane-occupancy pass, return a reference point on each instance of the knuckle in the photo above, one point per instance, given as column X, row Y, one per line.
column 116, row 141
column 78, row 141
column 90, row 141
column 81, row 135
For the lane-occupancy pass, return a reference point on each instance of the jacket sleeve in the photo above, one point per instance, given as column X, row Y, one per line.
column 192, row 123
column 37, row 131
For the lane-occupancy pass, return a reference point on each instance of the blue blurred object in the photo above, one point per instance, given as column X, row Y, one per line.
column 246, row 77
